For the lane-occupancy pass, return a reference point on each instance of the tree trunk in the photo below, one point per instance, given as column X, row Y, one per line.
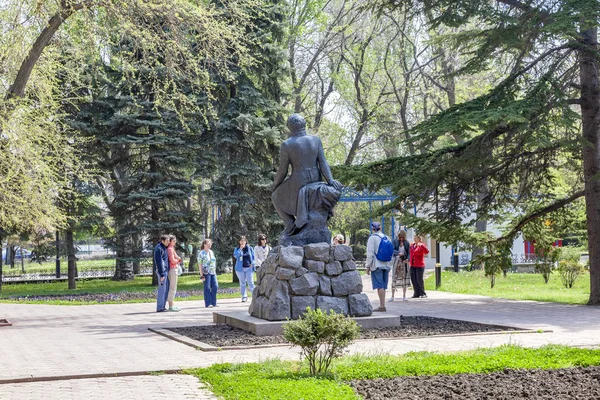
column 1, row 238
column 22, row 260
column 480, row 223
column 71, row 260
column 296, row 92
column 235, row 277
column 193, row 266
column 590, row 114
column 362, row 128
column 10, row 255
column 18, row 87
column 123, row 265
column 136, row 252
column 155, row 206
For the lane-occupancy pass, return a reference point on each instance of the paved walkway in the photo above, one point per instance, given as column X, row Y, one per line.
column 163, row 387
column 57, row 341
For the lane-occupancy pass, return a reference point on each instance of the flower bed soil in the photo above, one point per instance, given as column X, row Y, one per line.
column 121, row 296
column 226, row 336
column 571, row 383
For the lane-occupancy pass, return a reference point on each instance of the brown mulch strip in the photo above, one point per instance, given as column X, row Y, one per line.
column 570, row 383
column 226, row 336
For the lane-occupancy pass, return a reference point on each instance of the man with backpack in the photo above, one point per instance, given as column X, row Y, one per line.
column 380, row 251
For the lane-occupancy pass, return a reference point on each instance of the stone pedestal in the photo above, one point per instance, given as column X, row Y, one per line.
column 315, row 275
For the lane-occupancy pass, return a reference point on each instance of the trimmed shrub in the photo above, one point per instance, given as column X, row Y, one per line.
column 321, row 336
column 569, row 271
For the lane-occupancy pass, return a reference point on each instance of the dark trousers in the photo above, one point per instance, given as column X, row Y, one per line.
column 211, row 285
column 416, row 277
column 162, row 293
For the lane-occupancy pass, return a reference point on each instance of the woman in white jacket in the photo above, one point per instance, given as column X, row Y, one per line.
column 261, row 250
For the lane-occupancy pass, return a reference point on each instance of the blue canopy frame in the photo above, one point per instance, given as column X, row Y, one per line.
column 350, row 195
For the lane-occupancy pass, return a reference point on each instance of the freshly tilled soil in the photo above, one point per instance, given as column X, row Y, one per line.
column 571, row 383
column 226, row 336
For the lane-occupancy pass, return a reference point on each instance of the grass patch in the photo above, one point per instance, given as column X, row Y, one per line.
column 275, row 379
column 272, row 379
column 515, row 286
column 141, row 284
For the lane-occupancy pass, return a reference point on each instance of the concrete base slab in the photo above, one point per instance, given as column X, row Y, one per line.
column 261, row 327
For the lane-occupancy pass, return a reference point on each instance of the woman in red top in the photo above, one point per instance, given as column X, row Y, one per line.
column 174, row 261
column 418, row 250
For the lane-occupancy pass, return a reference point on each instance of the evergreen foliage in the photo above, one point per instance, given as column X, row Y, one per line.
column 247, row 133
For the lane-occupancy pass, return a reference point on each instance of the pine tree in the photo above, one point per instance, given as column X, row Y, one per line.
column 523, row 131
column 247, row 133
column 148, row 154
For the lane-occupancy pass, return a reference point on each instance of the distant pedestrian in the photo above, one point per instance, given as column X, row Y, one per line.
column 380, row 251
column 174, row 261
column 338, row 239
column 208, row 273
column 161, row 269
column 401, row 270
column 418, row 250
column 244, row 266
column 261, row 250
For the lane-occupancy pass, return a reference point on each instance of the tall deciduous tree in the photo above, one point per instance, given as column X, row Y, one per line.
column 544, row 113
column 30, row 121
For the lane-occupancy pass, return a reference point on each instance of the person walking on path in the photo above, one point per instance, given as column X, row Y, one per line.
column 261, row 250
column 338, row 239
column 161, row 268
column 244, row 266
column 379, row 261
column 418, row 250
column 174, row 261
column 401, row 270
column 208, row 273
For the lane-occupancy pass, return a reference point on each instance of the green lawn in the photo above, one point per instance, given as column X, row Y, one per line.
column 514, row 286
column 276, row 379
column 93, row 286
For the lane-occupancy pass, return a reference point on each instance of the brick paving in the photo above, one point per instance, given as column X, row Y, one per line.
column 56, row 341
column 171, row 387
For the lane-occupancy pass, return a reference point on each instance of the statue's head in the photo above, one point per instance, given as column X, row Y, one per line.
column 296, row 123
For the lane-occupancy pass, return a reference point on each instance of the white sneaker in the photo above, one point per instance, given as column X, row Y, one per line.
column 404, row 299
column 391, row 299
column 211, row 306
column 244, row 299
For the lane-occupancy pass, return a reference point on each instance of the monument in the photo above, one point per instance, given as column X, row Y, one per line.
column 305, row 270
column 303, row 200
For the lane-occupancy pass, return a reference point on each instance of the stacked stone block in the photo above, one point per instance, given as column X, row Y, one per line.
column 317, row 276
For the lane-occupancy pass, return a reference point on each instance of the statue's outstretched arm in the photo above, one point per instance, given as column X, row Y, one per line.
column 284, row 162
column 325, row 170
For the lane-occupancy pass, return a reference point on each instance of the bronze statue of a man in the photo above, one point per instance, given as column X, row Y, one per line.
column 303, row 200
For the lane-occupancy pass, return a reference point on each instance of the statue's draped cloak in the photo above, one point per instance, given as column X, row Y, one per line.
column 303, row 191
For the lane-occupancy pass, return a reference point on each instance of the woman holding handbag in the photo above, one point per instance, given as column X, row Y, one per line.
column 174, row 261
column 208, row 273
column 244, row 266
column 261, row 250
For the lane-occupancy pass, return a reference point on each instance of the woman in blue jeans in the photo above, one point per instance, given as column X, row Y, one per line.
column 244, row 266
column 208, row 273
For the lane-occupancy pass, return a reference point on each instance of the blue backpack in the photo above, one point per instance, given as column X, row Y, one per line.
column 385, row 250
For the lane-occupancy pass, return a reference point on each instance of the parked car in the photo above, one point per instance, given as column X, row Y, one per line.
column 19, row 252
